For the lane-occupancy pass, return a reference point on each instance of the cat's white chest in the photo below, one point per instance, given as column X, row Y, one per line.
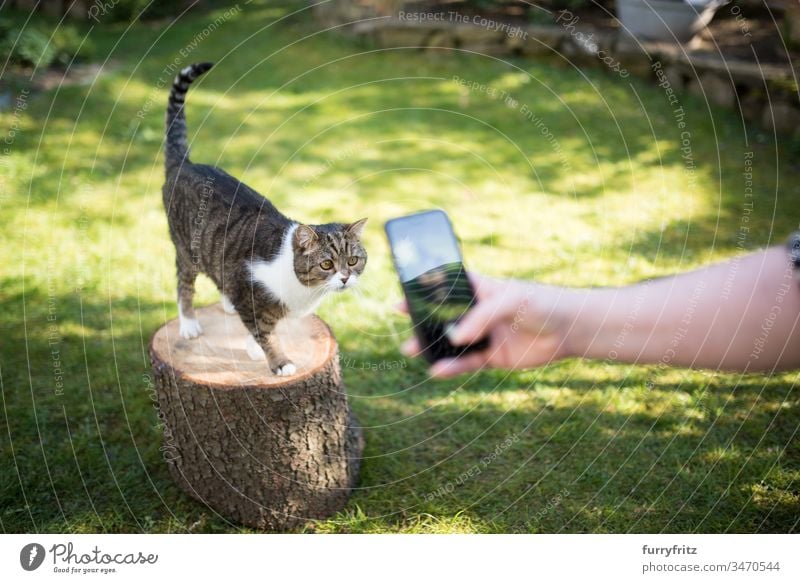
column 277, row 276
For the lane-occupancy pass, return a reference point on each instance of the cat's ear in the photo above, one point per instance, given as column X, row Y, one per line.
column 354, row 230
column 305, row 237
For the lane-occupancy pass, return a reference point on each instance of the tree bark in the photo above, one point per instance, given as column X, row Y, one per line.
column 265, row 451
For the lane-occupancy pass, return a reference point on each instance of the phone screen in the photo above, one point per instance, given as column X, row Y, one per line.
column 437, row 289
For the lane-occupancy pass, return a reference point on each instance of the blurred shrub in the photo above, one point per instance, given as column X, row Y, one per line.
column 128, row 10
column 69, row 44
column 31, row 47
column 27, row 47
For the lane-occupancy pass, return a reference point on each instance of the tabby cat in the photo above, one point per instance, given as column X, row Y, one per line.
column 266, row 266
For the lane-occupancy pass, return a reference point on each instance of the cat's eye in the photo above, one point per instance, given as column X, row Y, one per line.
column 352, row 261
column 326, row 265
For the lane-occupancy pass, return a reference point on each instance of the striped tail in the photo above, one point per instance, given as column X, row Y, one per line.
column 177, row 146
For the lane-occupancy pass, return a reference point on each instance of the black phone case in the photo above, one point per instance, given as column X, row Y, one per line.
column 431, row 335
column 433, row 340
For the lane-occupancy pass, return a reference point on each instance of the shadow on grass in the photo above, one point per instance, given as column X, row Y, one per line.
column 725, row 461
column 497, row 453
column 82, row 434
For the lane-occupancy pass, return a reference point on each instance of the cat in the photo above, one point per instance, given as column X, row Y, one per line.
column 266, row 266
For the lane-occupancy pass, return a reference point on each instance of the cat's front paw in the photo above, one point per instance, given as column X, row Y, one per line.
column 286, row 370
column 190, row 328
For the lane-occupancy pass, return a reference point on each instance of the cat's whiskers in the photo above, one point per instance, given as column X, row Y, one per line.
column 356, row 289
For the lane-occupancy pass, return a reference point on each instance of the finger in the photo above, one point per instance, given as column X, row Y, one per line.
column 402, row 307
column 449, row 367
column 484, row 286
column 411, row 347
column 476, row 322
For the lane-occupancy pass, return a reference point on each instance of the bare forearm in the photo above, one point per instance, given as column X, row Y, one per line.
column 738, row 315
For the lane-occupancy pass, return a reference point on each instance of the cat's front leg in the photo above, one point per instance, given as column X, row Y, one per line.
column 280, row 365
column 263, row 343
column 255, row 352
column 267, row 342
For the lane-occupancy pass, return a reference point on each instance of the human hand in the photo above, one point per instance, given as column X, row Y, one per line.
column 523, row 321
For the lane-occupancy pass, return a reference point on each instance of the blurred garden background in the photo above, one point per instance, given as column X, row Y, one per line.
column 551, row 166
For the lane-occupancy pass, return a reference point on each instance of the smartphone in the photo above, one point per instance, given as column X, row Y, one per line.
column 438, row 292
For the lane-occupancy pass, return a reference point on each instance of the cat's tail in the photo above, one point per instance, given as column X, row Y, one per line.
column 177, row 146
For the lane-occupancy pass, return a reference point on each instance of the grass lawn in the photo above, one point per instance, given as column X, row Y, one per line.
column 549, row 171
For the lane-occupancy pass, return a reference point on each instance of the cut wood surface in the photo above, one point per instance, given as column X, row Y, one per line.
column 261, row 450
column 219, row 355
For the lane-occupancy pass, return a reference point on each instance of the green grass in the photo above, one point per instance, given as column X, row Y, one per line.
column 329, row 129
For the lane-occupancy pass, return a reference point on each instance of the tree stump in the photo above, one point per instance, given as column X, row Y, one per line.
column 265, row 451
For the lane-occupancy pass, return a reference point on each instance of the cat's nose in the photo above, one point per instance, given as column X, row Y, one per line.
column 344, row 279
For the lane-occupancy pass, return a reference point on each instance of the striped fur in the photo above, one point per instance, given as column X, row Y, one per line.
column 177, row 146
